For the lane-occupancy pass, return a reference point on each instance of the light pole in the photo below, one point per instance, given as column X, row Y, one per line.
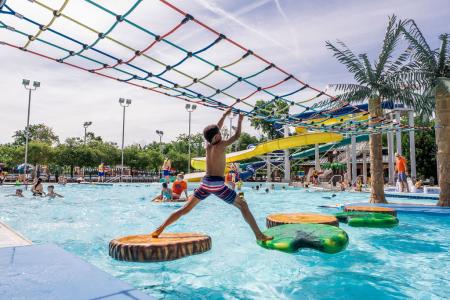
column 190, row 109
column 124, row 103
column 26, row 85
column 86, row 125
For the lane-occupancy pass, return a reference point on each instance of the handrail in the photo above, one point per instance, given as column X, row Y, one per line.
column 113, row 179
column 331, row 179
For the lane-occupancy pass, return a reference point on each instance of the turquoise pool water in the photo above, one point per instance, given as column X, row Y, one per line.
column 410, row 261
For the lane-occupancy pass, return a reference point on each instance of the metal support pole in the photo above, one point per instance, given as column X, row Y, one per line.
column 269, row 170
column 316, row 157
column 123, row 138
column 354, row 166
column 390, row 142
column 412, row 146
column 27, row 133
column 349, row 171
column 189, row 144
column 398, row 134
column 364, row 167
column 85, row 132
column 287, row 162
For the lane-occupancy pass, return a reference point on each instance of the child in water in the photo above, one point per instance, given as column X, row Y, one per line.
column 166, row 194
column 17, row 194
column 213, row 182
column 51, row 192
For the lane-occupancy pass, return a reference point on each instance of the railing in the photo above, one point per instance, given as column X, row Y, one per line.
column 116, row 178
column 331, row 179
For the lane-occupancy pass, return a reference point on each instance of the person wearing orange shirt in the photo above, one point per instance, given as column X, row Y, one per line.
column 179, row 186
column 402, row 170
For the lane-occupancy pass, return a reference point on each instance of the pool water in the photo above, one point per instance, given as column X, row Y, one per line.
column 409, row 261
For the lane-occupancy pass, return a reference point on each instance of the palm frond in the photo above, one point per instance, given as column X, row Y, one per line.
column 421, row 50
column 355, row 94
column 345, row 56
column 415, row 79
column 390, row 42
column 443, row 56
column 368, row 68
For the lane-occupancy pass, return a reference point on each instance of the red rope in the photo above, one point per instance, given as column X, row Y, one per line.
column 153, row 89
column 258, row 56
column 138, row 53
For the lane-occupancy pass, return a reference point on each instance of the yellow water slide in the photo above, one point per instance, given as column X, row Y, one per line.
column 308, row 138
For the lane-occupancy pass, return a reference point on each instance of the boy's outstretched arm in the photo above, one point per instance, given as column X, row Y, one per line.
column 222, row 119
column 176, row 215
column 237, row 134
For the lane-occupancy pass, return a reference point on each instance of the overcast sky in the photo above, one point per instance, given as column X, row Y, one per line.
column 290, row 33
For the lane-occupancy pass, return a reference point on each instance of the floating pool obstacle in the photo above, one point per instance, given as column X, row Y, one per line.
column 367, row 219
column 168, row 246
column 300, row 218
column 292, row 237
column 373, row 209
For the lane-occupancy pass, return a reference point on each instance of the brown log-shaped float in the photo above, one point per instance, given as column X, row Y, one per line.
column 168, row 246
column 297, row 218
column 374, row 209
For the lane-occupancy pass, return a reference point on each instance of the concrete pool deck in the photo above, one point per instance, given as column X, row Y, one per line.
column 49, row 272
column 10, row 238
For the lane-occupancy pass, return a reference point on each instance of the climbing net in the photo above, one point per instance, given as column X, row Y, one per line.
column 178, row 56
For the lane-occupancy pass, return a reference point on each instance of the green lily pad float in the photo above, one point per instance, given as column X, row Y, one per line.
column 367, row 219
column 292, row 237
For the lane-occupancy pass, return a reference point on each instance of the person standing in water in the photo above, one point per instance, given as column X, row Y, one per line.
column 101, row 173
column 402, row 170
column 214, row 182
column 167, row 165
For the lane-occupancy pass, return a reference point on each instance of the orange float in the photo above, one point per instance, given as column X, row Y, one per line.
column 168, row 246
column 373, row 209
column 300, row 218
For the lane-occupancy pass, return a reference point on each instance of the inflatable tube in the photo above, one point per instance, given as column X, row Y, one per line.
column 365, row 219
column 413, row 208
column 292, row 237
column 374, row 209
column 300, row 218
column 168, row 246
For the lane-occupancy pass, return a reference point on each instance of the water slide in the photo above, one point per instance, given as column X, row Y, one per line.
column 327, row 147
column 309, row 138
column 250, row 168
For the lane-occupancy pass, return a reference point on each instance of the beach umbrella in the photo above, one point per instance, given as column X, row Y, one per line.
column 22, row 167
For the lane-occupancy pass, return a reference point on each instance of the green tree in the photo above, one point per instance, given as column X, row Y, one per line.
column 384, row 80
column 425, row 148
column 135, row 158
column 266, row 110
column 11, row 155
column 39, row 153
column 434, row 65
column 38, row 133
column 245, row 140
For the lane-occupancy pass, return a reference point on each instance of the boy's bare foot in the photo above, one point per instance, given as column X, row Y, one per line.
column 155, row 234
column 264, row 238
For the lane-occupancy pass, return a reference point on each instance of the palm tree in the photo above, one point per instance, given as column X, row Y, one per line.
column 386, row 79
column 435, row 65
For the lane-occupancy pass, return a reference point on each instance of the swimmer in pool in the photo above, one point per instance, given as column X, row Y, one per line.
column 38, row 189
column 213, row 182
column 51, row 192
column 166, row 194
column 17, row 194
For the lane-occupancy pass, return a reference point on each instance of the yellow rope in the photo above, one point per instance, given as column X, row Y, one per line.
column 55, row 16
column 144, row 55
